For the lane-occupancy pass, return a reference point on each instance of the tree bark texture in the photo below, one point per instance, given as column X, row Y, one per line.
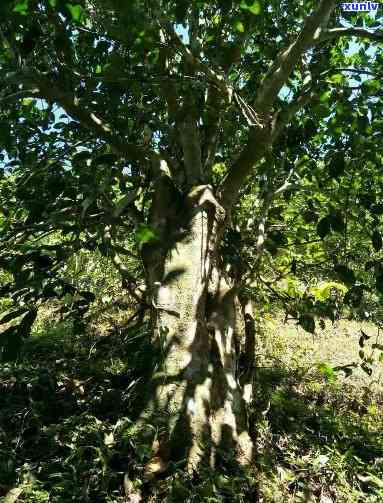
column 196, row 401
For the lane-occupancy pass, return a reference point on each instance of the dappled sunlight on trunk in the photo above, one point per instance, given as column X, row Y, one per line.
column 196, row 400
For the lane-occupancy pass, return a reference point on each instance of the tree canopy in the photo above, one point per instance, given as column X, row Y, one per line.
column 97, row 96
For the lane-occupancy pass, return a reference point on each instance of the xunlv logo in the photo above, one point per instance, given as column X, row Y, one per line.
column 367, row 6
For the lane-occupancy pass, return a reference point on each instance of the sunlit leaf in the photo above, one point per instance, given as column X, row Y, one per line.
column 76, row 11
column 21, row 7
column 326, row 370
column 145, row 234
column 255, row 8
column 239, row 26
column 337, row 78
column 325, row 96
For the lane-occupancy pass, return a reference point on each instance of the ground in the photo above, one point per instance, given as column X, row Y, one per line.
column 66, row 429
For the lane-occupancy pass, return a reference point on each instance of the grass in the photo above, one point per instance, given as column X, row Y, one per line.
column 336, row 345
column 66, row 429
column 320, row 434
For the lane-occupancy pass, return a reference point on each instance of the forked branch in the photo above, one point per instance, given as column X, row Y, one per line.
column 261, row 136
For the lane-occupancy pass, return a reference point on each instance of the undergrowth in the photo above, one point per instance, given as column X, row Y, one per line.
column 67, row 429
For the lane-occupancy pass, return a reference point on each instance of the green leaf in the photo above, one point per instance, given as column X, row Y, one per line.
column 326, row 370
column 354, row 296
column 377, row 209
column 346, row 275
column 181, row 11
column 80, row 158
column 310, row 216
column 379, row 282
column 346, row 369
column 238, row 26
column 307, row 322
column 377, row 241
column 337, row 78
column 336, row 221
column 271, row 247
column 145, row 234
column 124, row 202
column 366, row 369
column 76, row 11
column 255, row 8
column 27, row 102
column 337, row 165
column 108, row 159
column 53, row 3
column 323, row 227
column 278, row 238
column 363, row 338
column 371, row 86
column 325, row 96
column 21, row 7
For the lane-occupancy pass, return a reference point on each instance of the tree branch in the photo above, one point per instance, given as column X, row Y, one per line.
column 130, row 281
column 25, row 93
column 182, row 111
column 257, row 144
column 214, row 103
column 260, row 135
column 351, row 32
column 88, row 119
column 267, row 203
column 283, row 117
column 353, row 70
column 213, row 76
column 280, row 72
column 191, row 145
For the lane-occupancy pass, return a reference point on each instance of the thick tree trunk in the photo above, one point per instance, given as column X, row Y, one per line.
column 196, row 402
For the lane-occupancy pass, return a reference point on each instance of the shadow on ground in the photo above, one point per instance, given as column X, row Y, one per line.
column 318, row 438
column 67, row 434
